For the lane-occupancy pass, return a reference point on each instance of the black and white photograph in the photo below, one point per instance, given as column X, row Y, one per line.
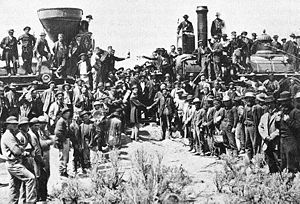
column 150, row 102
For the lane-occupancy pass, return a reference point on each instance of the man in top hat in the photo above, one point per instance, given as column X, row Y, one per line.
column 60, row 50
column 15, row 154
column 270, row 134
column 289, row 151
column 62, row 140
column 28, row 43
column 217, row 26
column 9, row 45
column 277, row 47
column 291, row 48
column 40, row 51
column 186, row 26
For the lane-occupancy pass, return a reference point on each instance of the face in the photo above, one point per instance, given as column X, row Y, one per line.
column 60, row 38
column 84, row 89
column 34, row 94
column 59, row 97
column 52, row 85
column 202, row 78
column 35, row 126
column 1, row 92
column 43, row 37
column 24, row 128
column 12, row 127
column 172, row 48
column 85, row 117
column 26, row 31
column 67, row 115
column 179, row 51
column 165, row 92
column 217, row 104
column 11, row 33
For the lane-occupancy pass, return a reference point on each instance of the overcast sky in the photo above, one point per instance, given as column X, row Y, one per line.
column 142, row 25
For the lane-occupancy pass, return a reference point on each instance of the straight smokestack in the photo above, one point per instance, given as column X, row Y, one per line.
column 202, row 24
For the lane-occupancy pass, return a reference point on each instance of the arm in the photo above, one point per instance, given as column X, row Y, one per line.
column 47, row 46
column 13, row 146
column 150, row 58
column 118, row 58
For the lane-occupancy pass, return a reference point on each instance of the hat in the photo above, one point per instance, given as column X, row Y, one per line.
column 11, row 120
column 58, row 93
column 269, row 99
column 89, row 16
column 275, row 36
column 42, row 119
column 35, row 82
column 27, row 27
column 292, row 35
column 249, row 94
column 23, row 121
column 167, row 75
column 224, row 35
column 233, row 33
column 237, row 98
column 34, row 120
column 244, row 33
column 189, row 98
column 284, row 96
column 184, row 95
column 254, row 34
column 231, row 83
column 226, row 98
column 191, row 74
column 51, row 82
column 65, row 84
column 163, row 86
column 196, row 100
column 216, row 37
column 283, row 39
column 261, row 97
column 82, row 54
column 185, row 16
column 82, row 113
column 11, row 30
column 43, row 34
column 65, row 110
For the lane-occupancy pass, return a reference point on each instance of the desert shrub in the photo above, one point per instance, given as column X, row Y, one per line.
column 251, row 183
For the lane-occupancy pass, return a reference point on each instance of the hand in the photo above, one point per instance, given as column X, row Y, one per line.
column 148, row 108
column 286, row 117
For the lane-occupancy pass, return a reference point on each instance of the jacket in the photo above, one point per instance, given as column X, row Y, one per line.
column 48, row 98
column 9, row 45
column 11, row 147
column 62, row 132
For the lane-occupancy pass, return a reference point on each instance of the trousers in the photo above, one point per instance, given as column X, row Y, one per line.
column 19, row 174
column 64, row 156
column 289, row 154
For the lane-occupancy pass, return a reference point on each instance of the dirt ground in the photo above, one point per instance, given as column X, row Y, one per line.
column 201, row 169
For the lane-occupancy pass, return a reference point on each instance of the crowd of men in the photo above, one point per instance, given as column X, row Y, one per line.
column 95, row 112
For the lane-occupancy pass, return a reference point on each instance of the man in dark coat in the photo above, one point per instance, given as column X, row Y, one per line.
column 166, row 111
column 10, row 52
column 217, row 26
column 28, row 42
column 186, row 26
column 60, row 51
column 75, row 49
column 291, row 48
column 62, row 140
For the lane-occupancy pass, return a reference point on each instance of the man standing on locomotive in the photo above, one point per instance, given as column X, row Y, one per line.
column 40, row 52
column 60, row 51
column 10, row 52
column 28, row 42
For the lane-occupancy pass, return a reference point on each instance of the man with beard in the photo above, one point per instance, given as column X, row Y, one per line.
column 270, row 135
column 28, row 42
column 289, row 151
column 9, row 45
column 14, row 152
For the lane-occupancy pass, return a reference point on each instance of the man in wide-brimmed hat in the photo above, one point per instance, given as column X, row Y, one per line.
column 88, row 135
column 15, row 154
column 28, row 42
column 40, row 51
column 217, row 26
column 288, row 137
column 270, row 134
column 62, row 140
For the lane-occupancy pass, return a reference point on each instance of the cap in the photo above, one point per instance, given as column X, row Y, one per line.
column 90, row 17
column 23, row 121
column 196, row 100
column 27, row 27
column 12, row 120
